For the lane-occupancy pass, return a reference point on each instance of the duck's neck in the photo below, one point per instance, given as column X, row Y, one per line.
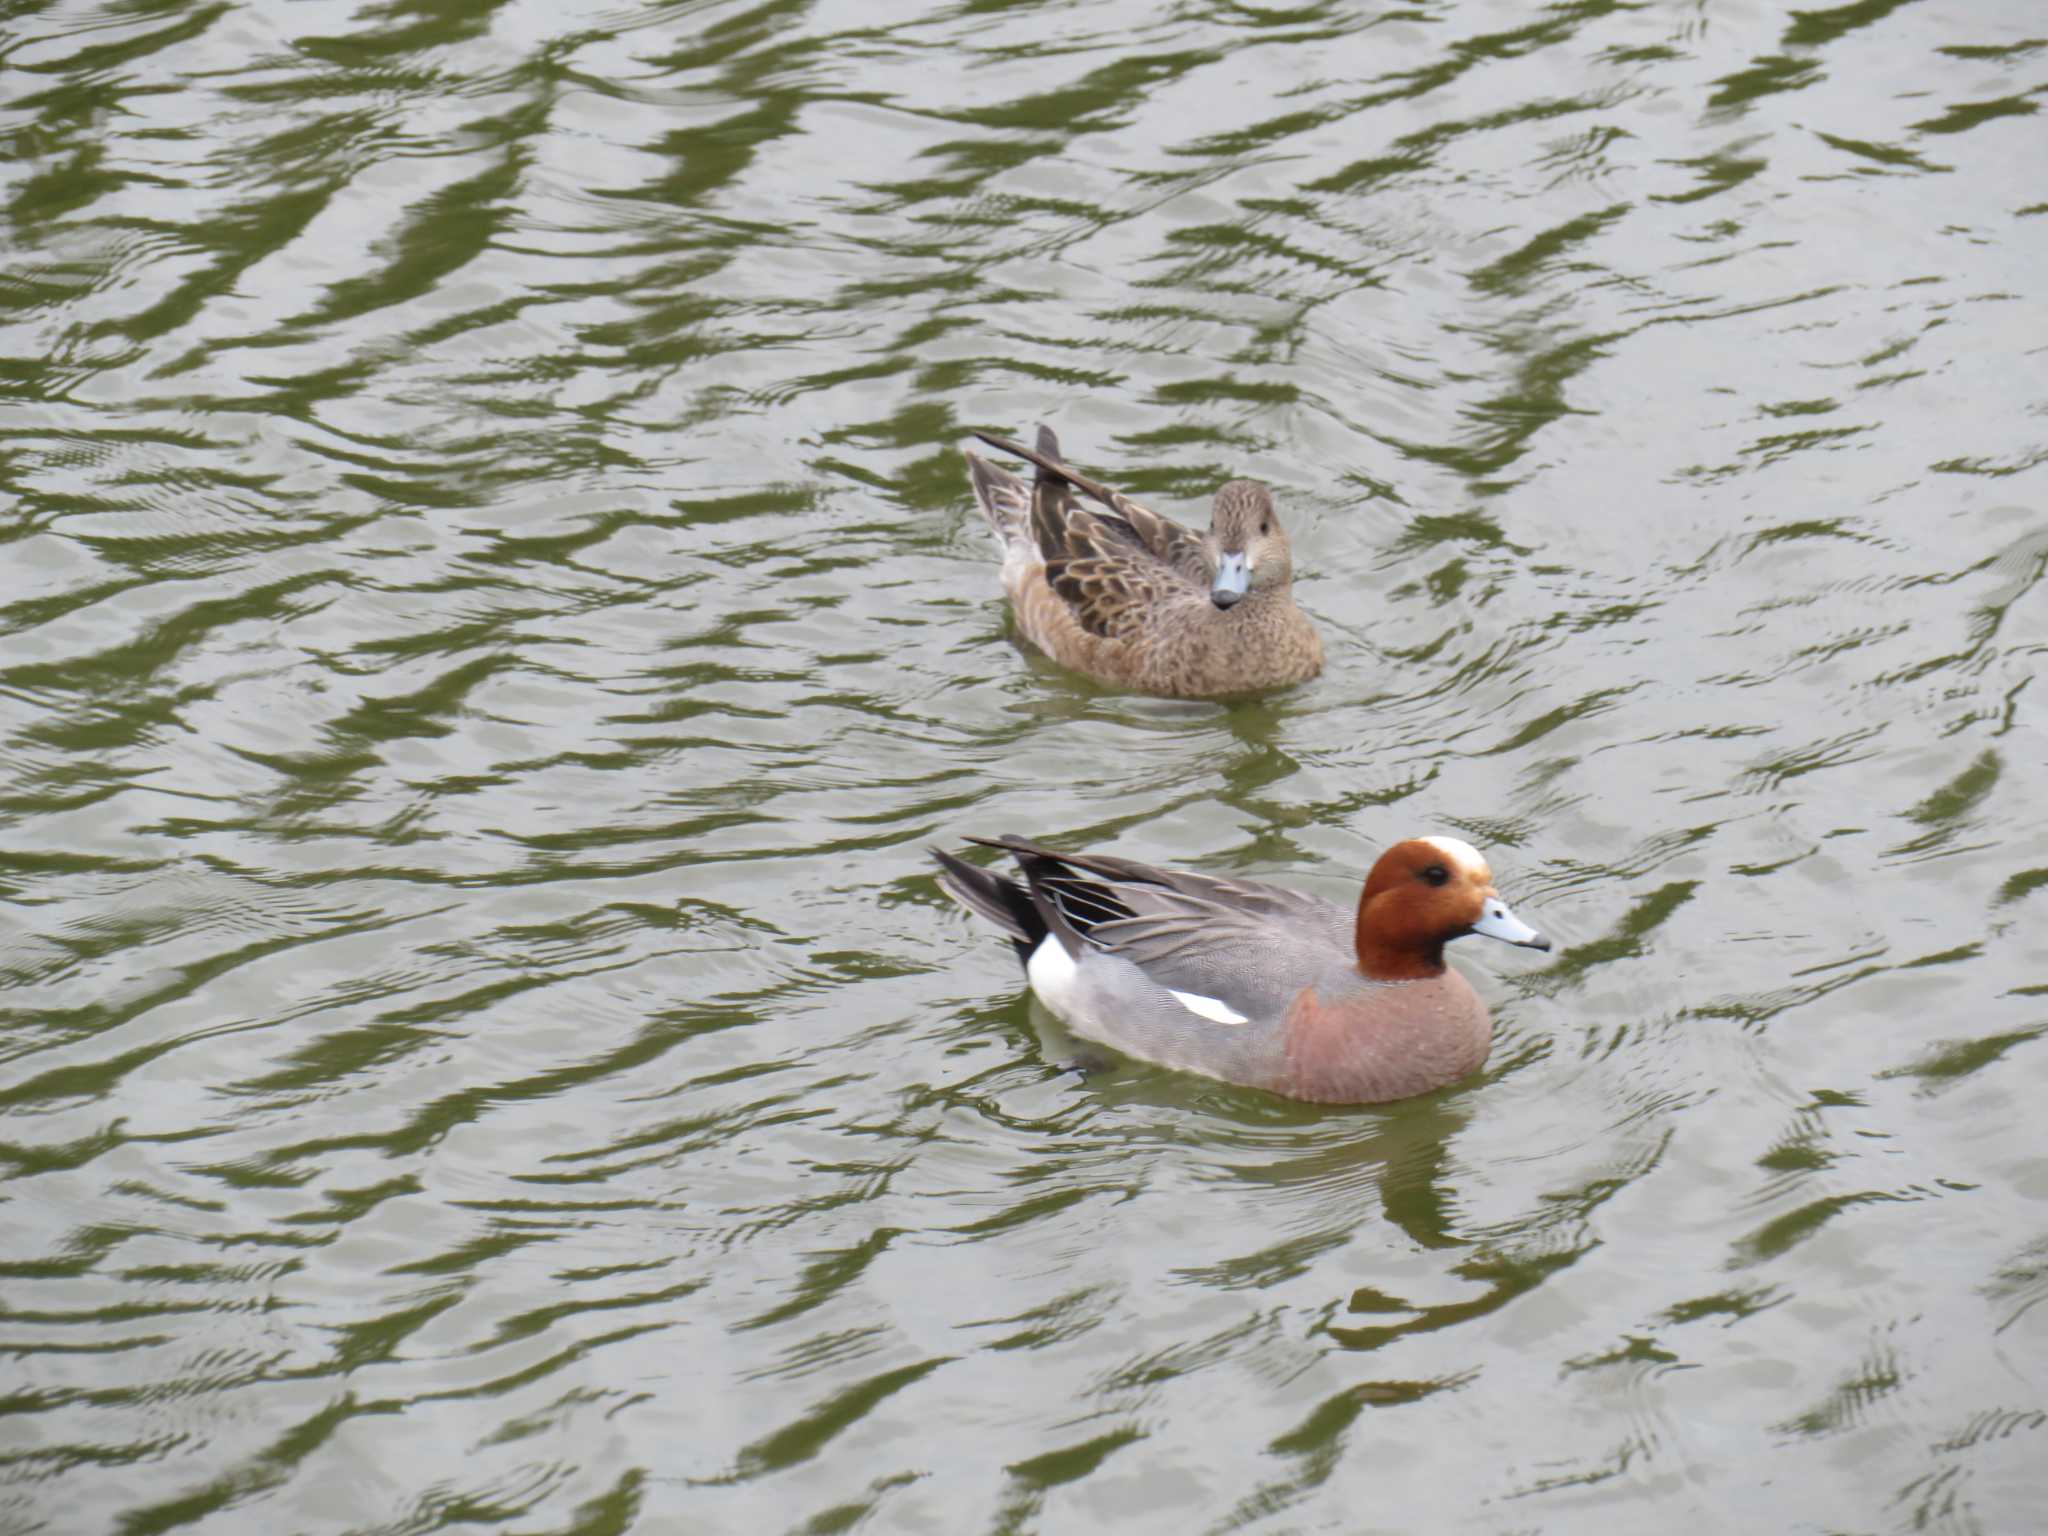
column 1270, row 610
column 1258, row 600
column 1384, row 956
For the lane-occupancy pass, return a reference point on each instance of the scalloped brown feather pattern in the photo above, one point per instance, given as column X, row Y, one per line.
column 1121, row 593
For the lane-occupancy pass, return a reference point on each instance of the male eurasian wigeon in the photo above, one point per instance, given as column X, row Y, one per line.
column 1133, row 598
column 1252, row 983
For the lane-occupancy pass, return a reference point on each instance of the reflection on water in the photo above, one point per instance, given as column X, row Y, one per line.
column 493, row 617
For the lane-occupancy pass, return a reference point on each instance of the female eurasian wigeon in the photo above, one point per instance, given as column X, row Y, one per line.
column 1133, row 598
column 1251, row 983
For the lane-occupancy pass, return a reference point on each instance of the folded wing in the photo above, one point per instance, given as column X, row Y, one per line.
column 1122, row 525
column 1247, row 947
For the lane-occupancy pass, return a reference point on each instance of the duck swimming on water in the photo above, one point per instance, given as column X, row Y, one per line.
column 1135, row 599
column 1253, row 983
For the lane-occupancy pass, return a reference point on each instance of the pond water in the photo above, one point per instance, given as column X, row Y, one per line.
column 492, row 619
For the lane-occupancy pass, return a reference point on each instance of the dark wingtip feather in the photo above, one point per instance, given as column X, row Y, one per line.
column 1051, row 465
column 1004, row 445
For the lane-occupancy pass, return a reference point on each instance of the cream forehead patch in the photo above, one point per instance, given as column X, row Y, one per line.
column 1460, row 853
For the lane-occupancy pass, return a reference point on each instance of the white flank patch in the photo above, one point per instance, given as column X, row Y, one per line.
column 1207, row 1007
column 1051, row 971
column 1459, row 852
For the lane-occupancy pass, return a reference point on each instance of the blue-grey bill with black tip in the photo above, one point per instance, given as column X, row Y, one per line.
column 1497, row 922
column 1233, row 579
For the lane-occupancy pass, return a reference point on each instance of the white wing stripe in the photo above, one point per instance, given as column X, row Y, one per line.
column 1208, row 1008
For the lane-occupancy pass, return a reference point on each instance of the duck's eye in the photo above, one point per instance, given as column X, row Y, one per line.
column 1436, row 874
column 1265, row 528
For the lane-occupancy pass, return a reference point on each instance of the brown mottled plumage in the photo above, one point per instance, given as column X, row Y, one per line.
column 1129, row 597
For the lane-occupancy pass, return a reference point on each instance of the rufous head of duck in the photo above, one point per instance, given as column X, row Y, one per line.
column 1423, row 893
column 1247, row 548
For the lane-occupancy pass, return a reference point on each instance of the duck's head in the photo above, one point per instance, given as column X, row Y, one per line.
column 1423, row 893
column 1247, row 548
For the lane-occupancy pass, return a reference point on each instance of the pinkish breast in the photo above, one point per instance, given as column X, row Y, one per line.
column 1385, row 1042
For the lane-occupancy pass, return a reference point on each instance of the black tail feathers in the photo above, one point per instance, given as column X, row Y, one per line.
column 996, row 897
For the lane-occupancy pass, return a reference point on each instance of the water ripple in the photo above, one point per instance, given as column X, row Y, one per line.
column 494, row 620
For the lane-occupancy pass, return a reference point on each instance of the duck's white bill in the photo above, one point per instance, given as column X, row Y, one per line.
column 1497, row 922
